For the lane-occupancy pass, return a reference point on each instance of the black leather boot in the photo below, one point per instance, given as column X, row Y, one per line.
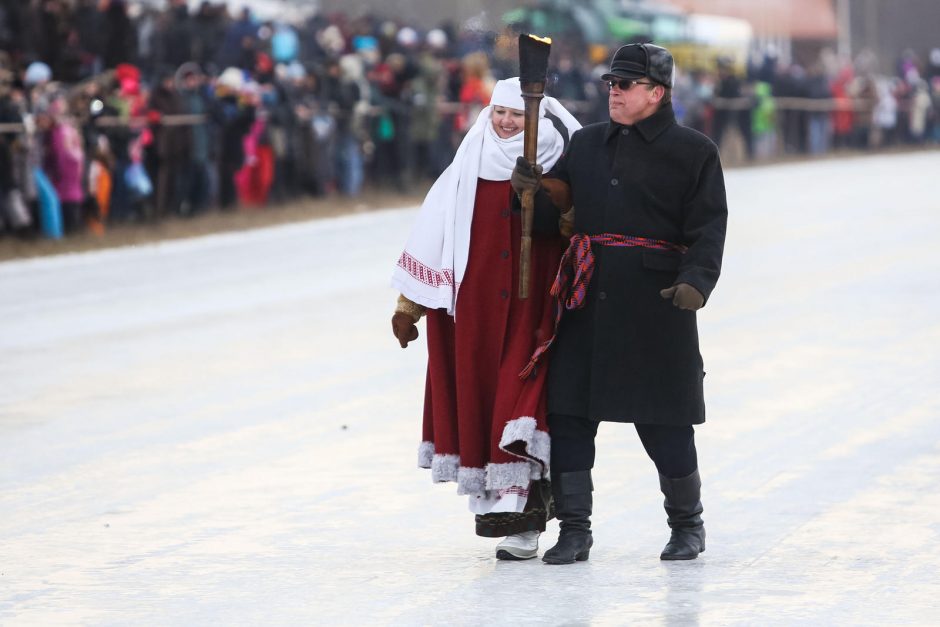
column 573, row 501
column 684, row 510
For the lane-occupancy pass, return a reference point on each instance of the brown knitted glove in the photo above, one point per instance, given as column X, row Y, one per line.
column 684, row 296
column 404, row 329
column 407, row 313
column 525, row 176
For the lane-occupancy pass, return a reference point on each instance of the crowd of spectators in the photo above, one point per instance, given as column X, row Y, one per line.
column 111, row 115
column 832, row 103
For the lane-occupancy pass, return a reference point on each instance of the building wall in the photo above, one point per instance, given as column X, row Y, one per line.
column 427, row 13
column 885, row 26
column 888, row 27
column 796, row 19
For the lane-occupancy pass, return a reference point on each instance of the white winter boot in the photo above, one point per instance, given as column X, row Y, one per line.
column 520, row 546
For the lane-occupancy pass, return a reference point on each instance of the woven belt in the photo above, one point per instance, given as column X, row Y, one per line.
column 574, row 275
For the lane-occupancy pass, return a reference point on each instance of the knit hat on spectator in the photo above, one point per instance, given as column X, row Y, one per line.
column 388, row 29
column 437, row 39
column 126, row 71
column 368, row 48
column 331, row 39
column 351, row 67
column 295, row 71
column 232, row 78
column 37, row 72
column 190, row 68
column 407, row 37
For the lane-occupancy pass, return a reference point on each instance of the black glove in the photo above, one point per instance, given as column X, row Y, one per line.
column 684, row 296
column 404, row 328
column 525, row 177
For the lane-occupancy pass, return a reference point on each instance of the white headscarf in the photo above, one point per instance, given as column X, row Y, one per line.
column 431, row 268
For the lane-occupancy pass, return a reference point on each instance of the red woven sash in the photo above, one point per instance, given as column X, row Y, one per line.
column 574, row 275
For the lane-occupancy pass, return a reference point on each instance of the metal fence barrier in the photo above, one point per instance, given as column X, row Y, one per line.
column 728, row 104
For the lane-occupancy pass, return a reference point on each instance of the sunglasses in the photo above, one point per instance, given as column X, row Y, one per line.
column 625, row 84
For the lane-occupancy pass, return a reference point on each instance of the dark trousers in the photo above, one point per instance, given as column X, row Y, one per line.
column 672, row 448
column 228, row 194
column 72, row 216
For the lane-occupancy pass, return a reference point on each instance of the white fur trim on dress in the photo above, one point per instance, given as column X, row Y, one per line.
column 444, row 468
column 425, row 454
column 500, row 476
column 532, row 465
column 471, row 481
column 537, row 443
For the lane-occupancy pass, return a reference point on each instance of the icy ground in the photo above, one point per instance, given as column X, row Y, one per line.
column 223, row 431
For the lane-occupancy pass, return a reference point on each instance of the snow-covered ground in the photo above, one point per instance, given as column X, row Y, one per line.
column 223, row 430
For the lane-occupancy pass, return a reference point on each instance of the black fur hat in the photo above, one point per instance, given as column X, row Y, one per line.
column 642, row 60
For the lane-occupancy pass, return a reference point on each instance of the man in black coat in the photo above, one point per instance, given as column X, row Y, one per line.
column 649, row 228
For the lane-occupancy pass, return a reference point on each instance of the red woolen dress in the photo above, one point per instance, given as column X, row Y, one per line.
column 484, row 426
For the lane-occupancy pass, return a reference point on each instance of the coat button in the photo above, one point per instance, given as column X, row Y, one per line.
column 614, row 181
column 504, row 294
column 505, row 213
column 504, row 254
column 602, row 295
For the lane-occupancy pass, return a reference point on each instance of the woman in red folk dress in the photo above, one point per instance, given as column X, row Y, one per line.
column 485, row 426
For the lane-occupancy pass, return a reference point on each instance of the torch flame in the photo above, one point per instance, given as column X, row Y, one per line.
column 544, row 40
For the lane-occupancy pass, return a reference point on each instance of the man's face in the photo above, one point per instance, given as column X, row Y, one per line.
column 631, row 101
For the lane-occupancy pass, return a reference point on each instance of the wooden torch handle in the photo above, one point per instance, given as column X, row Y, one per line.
column 532, row 95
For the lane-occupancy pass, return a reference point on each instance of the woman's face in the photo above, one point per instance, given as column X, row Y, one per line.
column 507, row 122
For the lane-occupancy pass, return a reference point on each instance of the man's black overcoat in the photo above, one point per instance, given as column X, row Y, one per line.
column 629, row 355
